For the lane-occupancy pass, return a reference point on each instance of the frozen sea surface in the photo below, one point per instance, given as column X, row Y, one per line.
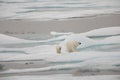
column 56, row 9
column 99, row 50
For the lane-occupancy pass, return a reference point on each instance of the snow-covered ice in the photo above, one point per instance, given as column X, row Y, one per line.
column 103, row 54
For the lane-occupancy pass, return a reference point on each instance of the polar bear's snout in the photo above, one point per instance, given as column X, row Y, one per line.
column 79, row 43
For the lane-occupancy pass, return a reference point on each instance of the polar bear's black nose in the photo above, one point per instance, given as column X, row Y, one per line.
column 79, row 43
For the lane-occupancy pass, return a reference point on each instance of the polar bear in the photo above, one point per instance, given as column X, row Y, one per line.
column 71, row 46
column 58, row 49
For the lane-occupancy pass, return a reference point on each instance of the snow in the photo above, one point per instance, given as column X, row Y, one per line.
column 4, row 39
column 104, row 31
column 109, row 31
column 60, row 33
column 36, row 52
column 96, row 60
column 51, row 10
column 84, row 65
column 113, row 39
column 62, row 77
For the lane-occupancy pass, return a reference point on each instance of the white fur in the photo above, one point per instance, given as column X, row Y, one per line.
column 72, row 45
column 58, row 49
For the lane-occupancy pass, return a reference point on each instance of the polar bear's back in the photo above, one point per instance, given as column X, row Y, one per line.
column 72, row 45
